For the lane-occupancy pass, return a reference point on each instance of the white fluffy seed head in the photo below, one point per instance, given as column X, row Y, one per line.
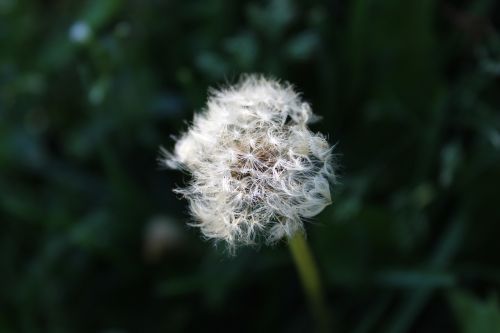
column 257, row 170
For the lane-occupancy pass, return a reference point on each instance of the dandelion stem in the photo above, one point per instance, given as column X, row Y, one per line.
column 309, row 276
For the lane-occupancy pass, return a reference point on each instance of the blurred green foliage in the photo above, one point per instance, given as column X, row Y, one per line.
column 93, row 240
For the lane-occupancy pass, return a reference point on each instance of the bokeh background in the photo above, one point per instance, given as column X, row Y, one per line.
column 92, row 239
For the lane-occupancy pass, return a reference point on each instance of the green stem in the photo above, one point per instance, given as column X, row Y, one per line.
column 309, row 276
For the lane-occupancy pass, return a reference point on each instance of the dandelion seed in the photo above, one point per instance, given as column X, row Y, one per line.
column 257, row 170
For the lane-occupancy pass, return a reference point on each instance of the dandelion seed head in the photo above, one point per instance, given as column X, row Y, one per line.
column 257, row 170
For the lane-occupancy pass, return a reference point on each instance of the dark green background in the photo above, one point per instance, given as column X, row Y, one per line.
column 408, row 90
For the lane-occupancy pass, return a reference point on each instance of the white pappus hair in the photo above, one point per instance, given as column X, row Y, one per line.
column 257, row 170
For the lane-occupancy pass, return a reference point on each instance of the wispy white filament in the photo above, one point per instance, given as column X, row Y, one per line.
column 257, row 170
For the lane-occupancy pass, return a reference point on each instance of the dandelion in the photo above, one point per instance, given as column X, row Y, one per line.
column 257, row 172
column 257, row 169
